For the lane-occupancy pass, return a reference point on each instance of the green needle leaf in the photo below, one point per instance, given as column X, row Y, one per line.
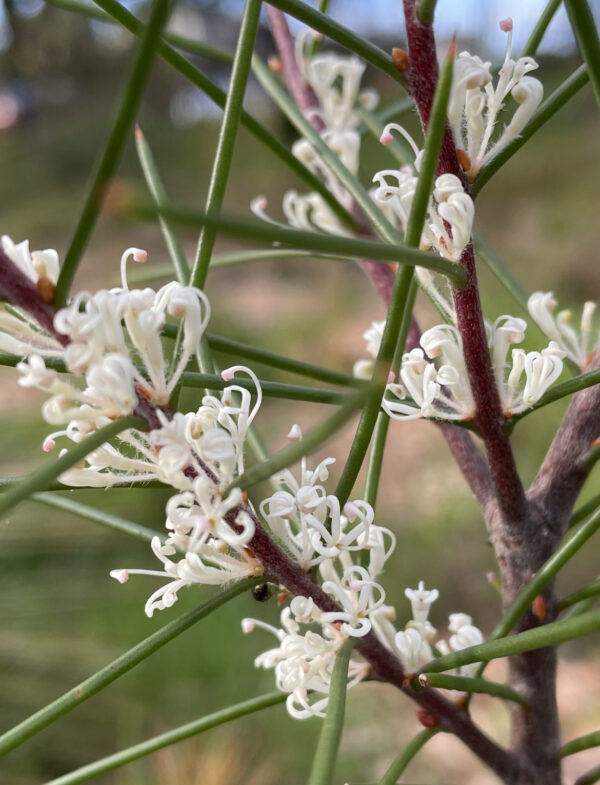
column 586, row 33
column 406, row 755
column 547, row 635
column 535, row 38
column 105, row 676
column 248, row 352
column 501, row 273
column 590, row 778
column 107, row 519
column 376, row 458
column 586, row 509
column 110, row 155
column 347, row 246
column 293, row 392
column 568, row 548
column 159, row 195
column 144, row 273
column 343, row 35
column 426, row 11
column 589, row 591
column 227, row 136
column 42, row 477
column 113, row 762
column 471, row 685
column 582, row 743
column 331, row 733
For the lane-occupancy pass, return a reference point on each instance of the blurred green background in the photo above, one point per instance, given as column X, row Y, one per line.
column 63, row 618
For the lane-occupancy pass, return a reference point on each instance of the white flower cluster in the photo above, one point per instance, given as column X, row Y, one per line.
column 114, row 345
column 335, row 81
column 114, row 342
column 310, row 524
column 415, row 643
column 435, row 382
column 201, row 453
column 309, row 639
column 475, row 104
column 450, row 212
column 304, row 661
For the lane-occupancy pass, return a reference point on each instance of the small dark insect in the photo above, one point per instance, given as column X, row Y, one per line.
column 262, row 592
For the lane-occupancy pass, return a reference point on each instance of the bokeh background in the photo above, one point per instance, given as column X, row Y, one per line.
column 61, row 615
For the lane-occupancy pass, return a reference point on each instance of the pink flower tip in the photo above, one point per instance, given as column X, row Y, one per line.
column 120, row 575
column 506, row 25
column 247, row 626
column 48, row 445
column 139, row 255
column 391, row 377
column 355, row 584
column 351, row 509
column 386, row 138
column 227, row 375
column 295, row 433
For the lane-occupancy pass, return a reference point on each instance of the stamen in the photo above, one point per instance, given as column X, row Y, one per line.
column 387, row 132
column 138, row 254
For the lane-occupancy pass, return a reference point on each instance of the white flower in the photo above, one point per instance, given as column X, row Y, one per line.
column 443, row 392
column 213, row 553
column 297, row 516
column 450, row 205
column 412, row 648
column 475, row 104
column 210, row 563
column 458, row 620
column 421, row 600
column 438, row 391
column 303, row 663
column 35, row 265
column 232, row 411
column 539, row 369
column 466, row 635
column 577, row 346
column 35, row 374
column 357, row 594
column 335, row 81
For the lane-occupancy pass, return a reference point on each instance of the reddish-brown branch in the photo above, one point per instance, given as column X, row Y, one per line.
column 510, row 493
column 422, row 75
